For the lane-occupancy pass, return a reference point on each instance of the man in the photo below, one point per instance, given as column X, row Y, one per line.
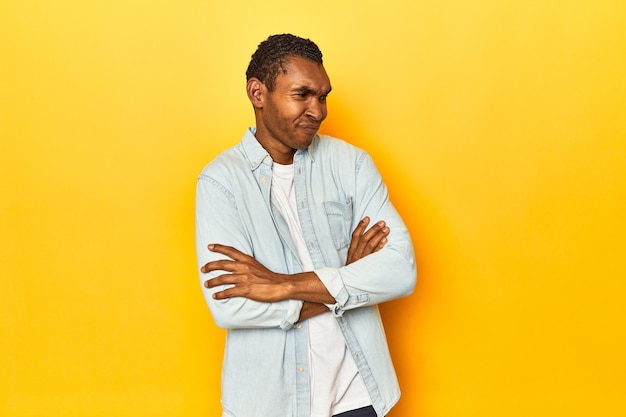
column 289, row 264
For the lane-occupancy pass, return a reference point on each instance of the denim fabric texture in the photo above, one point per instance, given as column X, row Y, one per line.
column 265, row 368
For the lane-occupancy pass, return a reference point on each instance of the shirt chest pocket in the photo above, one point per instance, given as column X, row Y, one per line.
column 339, row 215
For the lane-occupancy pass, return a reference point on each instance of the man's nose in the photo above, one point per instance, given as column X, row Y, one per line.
column 316, row 110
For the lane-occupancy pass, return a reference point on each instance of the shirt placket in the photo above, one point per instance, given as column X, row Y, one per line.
column 299, row 362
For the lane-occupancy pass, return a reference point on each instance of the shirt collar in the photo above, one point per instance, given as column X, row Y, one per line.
column 257, row 155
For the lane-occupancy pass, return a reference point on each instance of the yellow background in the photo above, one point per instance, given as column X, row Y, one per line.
column 499, row 126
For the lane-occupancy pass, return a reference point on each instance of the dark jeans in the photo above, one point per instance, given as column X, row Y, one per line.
column 360, row 412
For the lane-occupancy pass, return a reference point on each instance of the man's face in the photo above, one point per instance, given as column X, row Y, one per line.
column 291, row 114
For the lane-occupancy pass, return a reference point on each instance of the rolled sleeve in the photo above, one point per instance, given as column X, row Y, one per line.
column 217, row 221
column 374, row 279
column 293, row 314
column 381, row 276
column 331, row 278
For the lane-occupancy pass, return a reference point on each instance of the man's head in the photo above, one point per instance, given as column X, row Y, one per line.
column 287, row 86
column 272, row 54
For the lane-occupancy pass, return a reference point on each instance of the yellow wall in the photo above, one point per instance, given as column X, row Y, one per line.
column 499, row 126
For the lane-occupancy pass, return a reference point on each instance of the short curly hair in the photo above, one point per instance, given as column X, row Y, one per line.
column 271, row 55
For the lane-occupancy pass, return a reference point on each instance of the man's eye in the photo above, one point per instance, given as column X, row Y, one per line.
column 323, row 98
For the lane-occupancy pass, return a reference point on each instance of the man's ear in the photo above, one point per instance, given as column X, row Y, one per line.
column 256, row 92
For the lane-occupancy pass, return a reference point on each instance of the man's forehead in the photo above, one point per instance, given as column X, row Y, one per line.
column 301, row 73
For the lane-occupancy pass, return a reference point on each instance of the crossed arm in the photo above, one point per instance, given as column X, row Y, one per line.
column 250, row 279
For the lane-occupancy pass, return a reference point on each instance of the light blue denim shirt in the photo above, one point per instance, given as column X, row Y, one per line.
column 266, row 362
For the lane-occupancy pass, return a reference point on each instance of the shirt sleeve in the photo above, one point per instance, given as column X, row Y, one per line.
column 384, row 275
column 218, row 221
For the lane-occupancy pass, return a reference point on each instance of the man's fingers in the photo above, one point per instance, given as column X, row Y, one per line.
column 235, row 278
column 229, row 265
column 360, row 228
column 360, row 237
column 222, row 295
column 232, row 291
column 372, row 238
column 224, row 279
column 240, row 286
column 365, row 242
column 356, row 242
column 376, row 229
column 228, row 251
column 219, row 265
column 379, row 239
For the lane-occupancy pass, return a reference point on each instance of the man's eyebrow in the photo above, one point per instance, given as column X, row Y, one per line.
column 307, row 90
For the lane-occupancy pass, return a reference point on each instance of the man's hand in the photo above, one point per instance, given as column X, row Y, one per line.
column 364, row 243
column 250, row 279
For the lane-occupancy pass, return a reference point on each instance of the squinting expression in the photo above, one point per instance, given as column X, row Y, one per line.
column 292, row 114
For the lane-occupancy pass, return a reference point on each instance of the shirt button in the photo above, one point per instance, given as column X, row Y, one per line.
column 263, row 180
column 300, row 369
column 298, row 326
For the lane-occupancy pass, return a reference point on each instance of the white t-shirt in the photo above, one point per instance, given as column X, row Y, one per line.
column 336, row 385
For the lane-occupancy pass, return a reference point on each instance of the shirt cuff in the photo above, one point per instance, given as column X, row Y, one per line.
column 293, row 314
column 331, row 278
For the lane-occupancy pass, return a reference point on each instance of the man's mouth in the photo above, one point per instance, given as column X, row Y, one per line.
column 310, row 129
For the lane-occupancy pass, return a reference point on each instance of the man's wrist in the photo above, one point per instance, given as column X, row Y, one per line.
column 306, row 286
column 310, row 309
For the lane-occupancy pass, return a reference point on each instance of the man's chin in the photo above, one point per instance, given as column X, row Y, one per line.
column 307, row 143
column 304, row 141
